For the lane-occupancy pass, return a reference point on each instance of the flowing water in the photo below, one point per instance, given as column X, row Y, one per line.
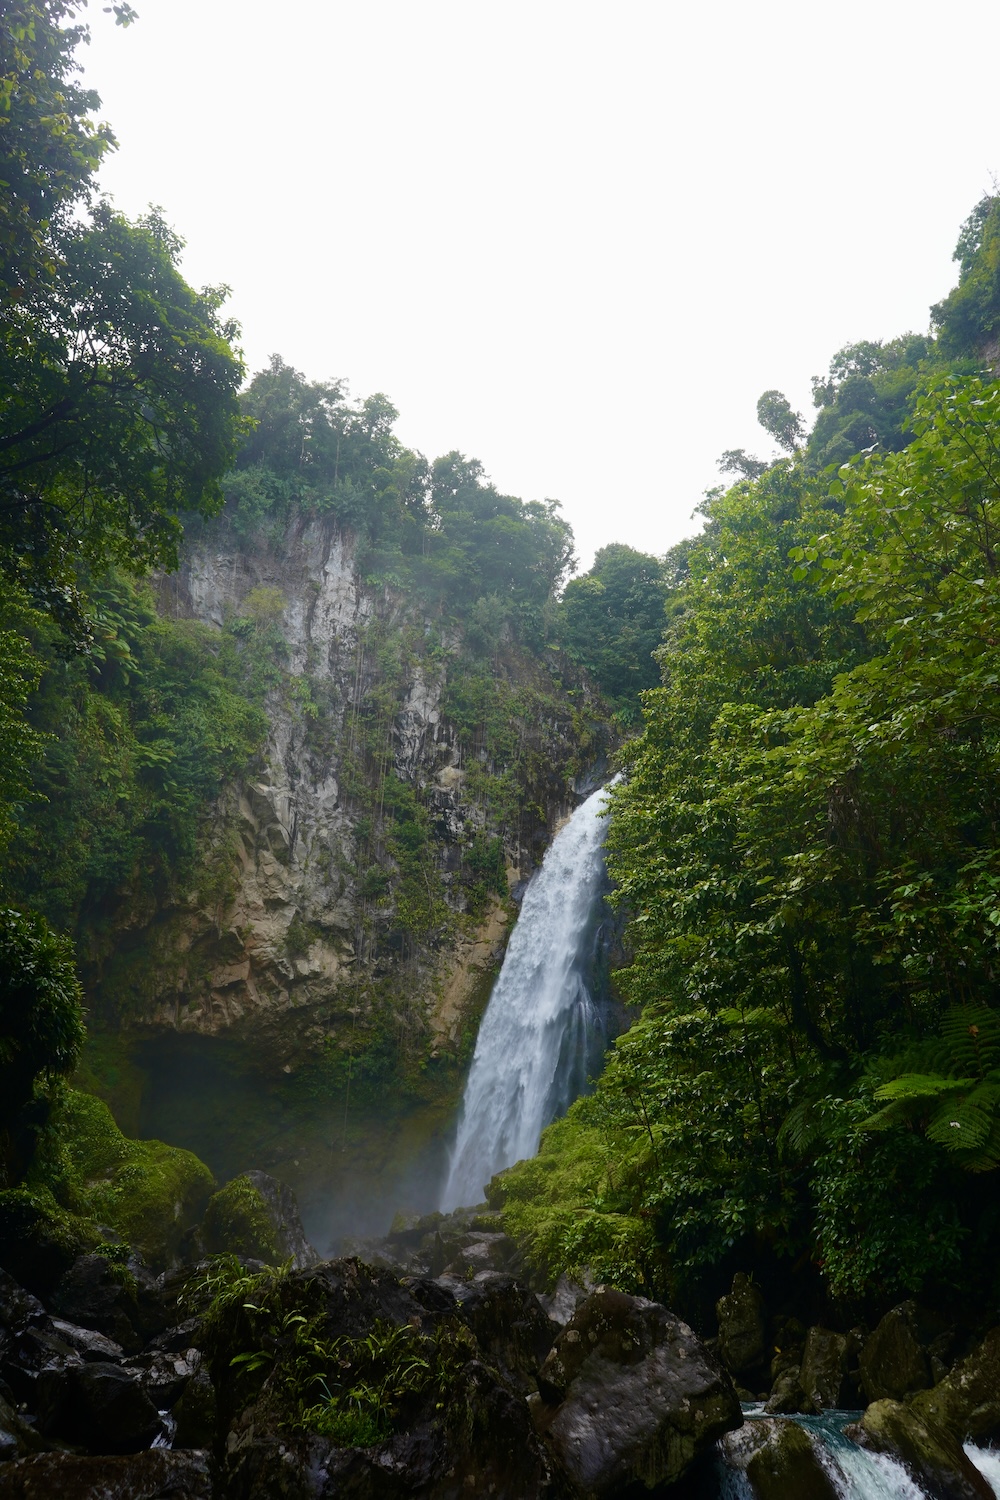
column 856, row 1473
column 541, row 1035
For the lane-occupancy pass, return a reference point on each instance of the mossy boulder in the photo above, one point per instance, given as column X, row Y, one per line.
column 256, row 1217
column 742, row 1327
column 931, row 1454
column 967, row 1401
column 823, row 1375
column 780, row 1460
column 39, row 1239
column 628, row 1396
column 237, row 1221
column 147, row 1192
column 894, row 1362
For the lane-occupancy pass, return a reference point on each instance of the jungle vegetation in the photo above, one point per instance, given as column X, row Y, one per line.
column 805, row 841
column 807, row 845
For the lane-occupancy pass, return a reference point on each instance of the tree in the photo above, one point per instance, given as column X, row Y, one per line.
column 119, row 405
column 968, row 319
column 866, row 398
column 612, row 620
column 50, row 147
column 739, row 461
column 775, row 415
column 20, row 670
column 41, row 1021
column 118, row 382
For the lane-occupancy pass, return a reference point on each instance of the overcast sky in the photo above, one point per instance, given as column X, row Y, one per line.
column 575, row 241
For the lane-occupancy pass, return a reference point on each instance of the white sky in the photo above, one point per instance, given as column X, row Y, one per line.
column 575, row 241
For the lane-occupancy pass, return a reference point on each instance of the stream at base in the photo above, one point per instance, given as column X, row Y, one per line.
column 856, row 1473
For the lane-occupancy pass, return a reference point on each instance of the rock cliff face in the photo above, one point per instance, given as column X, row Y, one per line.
column 347, row 870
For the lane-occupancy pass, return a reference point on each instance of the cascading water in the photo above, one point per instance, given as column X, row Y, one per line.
column 536, row 1040
column 856, row 1473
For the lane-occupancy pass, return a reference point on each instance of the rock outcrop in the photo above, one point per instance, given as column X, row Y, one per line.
column 823, row 1374
column 743, row 1343
column 930, row 1454
column 256, row 1216
column 966, row 1403
column 780, row 1461
column 628, row 1394
column 894, row 1361
column 307, row 912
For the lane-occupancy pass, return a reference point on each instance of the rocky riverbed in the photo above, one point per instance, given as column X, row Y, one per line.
column 426, row 1366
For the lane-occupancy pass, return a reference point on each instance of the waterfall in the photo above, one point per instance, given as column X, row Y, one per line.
column 536, row 1040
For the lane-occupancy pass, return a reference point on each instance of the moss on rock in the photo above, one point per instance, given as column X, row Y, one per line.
column 40, row 1239
column 147, row 1192
column 237, row 1220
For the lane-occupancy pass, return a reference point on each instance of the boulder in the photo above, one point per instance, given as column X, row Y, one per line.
column 88, row 1344
column 164, row 1376
column 101, row 1407
column 36, row 1356
column 507, row 1322
column 483, row 1250
column 256, row 1216
column 893, row 1360
column 94, row 1293
column 780, row 1460
column 195, row 1413
column 562, row 1302
column 823, row 1375
column 157, row 1475
column 742, row 1326
column 18, row 1308
column 931, row 1455
column 787, row 1394
column 628, row 1394
column 17, row 1437
column 39, row 1241
column 480, row 1443
column 967, row 1401
column 176, row 1340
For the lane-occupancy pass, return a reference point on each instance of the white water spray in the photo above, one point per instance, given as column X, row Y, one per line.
column 531, row 1056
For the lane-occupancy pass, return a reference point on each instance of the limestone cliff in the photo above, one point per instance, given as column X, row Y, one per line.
column 407, row 786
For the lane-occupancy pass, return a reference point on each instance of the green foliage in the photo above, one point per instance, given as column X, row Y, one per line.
column 137, row 739
column 50, row 146
column 865, row 400
column 775, row 415
column 41, row 1020
column 148, row 1192
column 957, row 1103
column 806, row 844
column 267, row 1331
column 20, row 671
column 612, row 620
column 365, row 1383
column 119, row 409
column 440, row 531
column 237, row 1221
column 40, row 1239
column 968, row 319
column 670, row 1164
column 222, row 1288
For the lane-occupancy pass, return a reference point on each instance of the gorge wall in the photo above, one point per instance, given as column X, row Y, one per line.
column 324, row 975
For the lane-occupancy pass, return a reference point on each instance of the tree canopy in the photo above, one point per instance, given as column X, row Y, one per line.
column 806, row 846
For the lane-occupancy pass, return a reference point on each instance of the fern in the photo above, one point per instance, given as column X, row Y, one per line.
column 957, row 1103
column 971, row 1034
column 799, row 1130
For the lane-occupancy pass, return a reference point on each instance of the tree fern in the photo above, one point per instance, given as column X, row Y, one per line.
column 957, row 1103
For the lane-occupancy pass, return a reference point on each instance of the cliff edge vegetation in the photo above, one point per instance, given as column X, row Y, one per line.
column 805, row 841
